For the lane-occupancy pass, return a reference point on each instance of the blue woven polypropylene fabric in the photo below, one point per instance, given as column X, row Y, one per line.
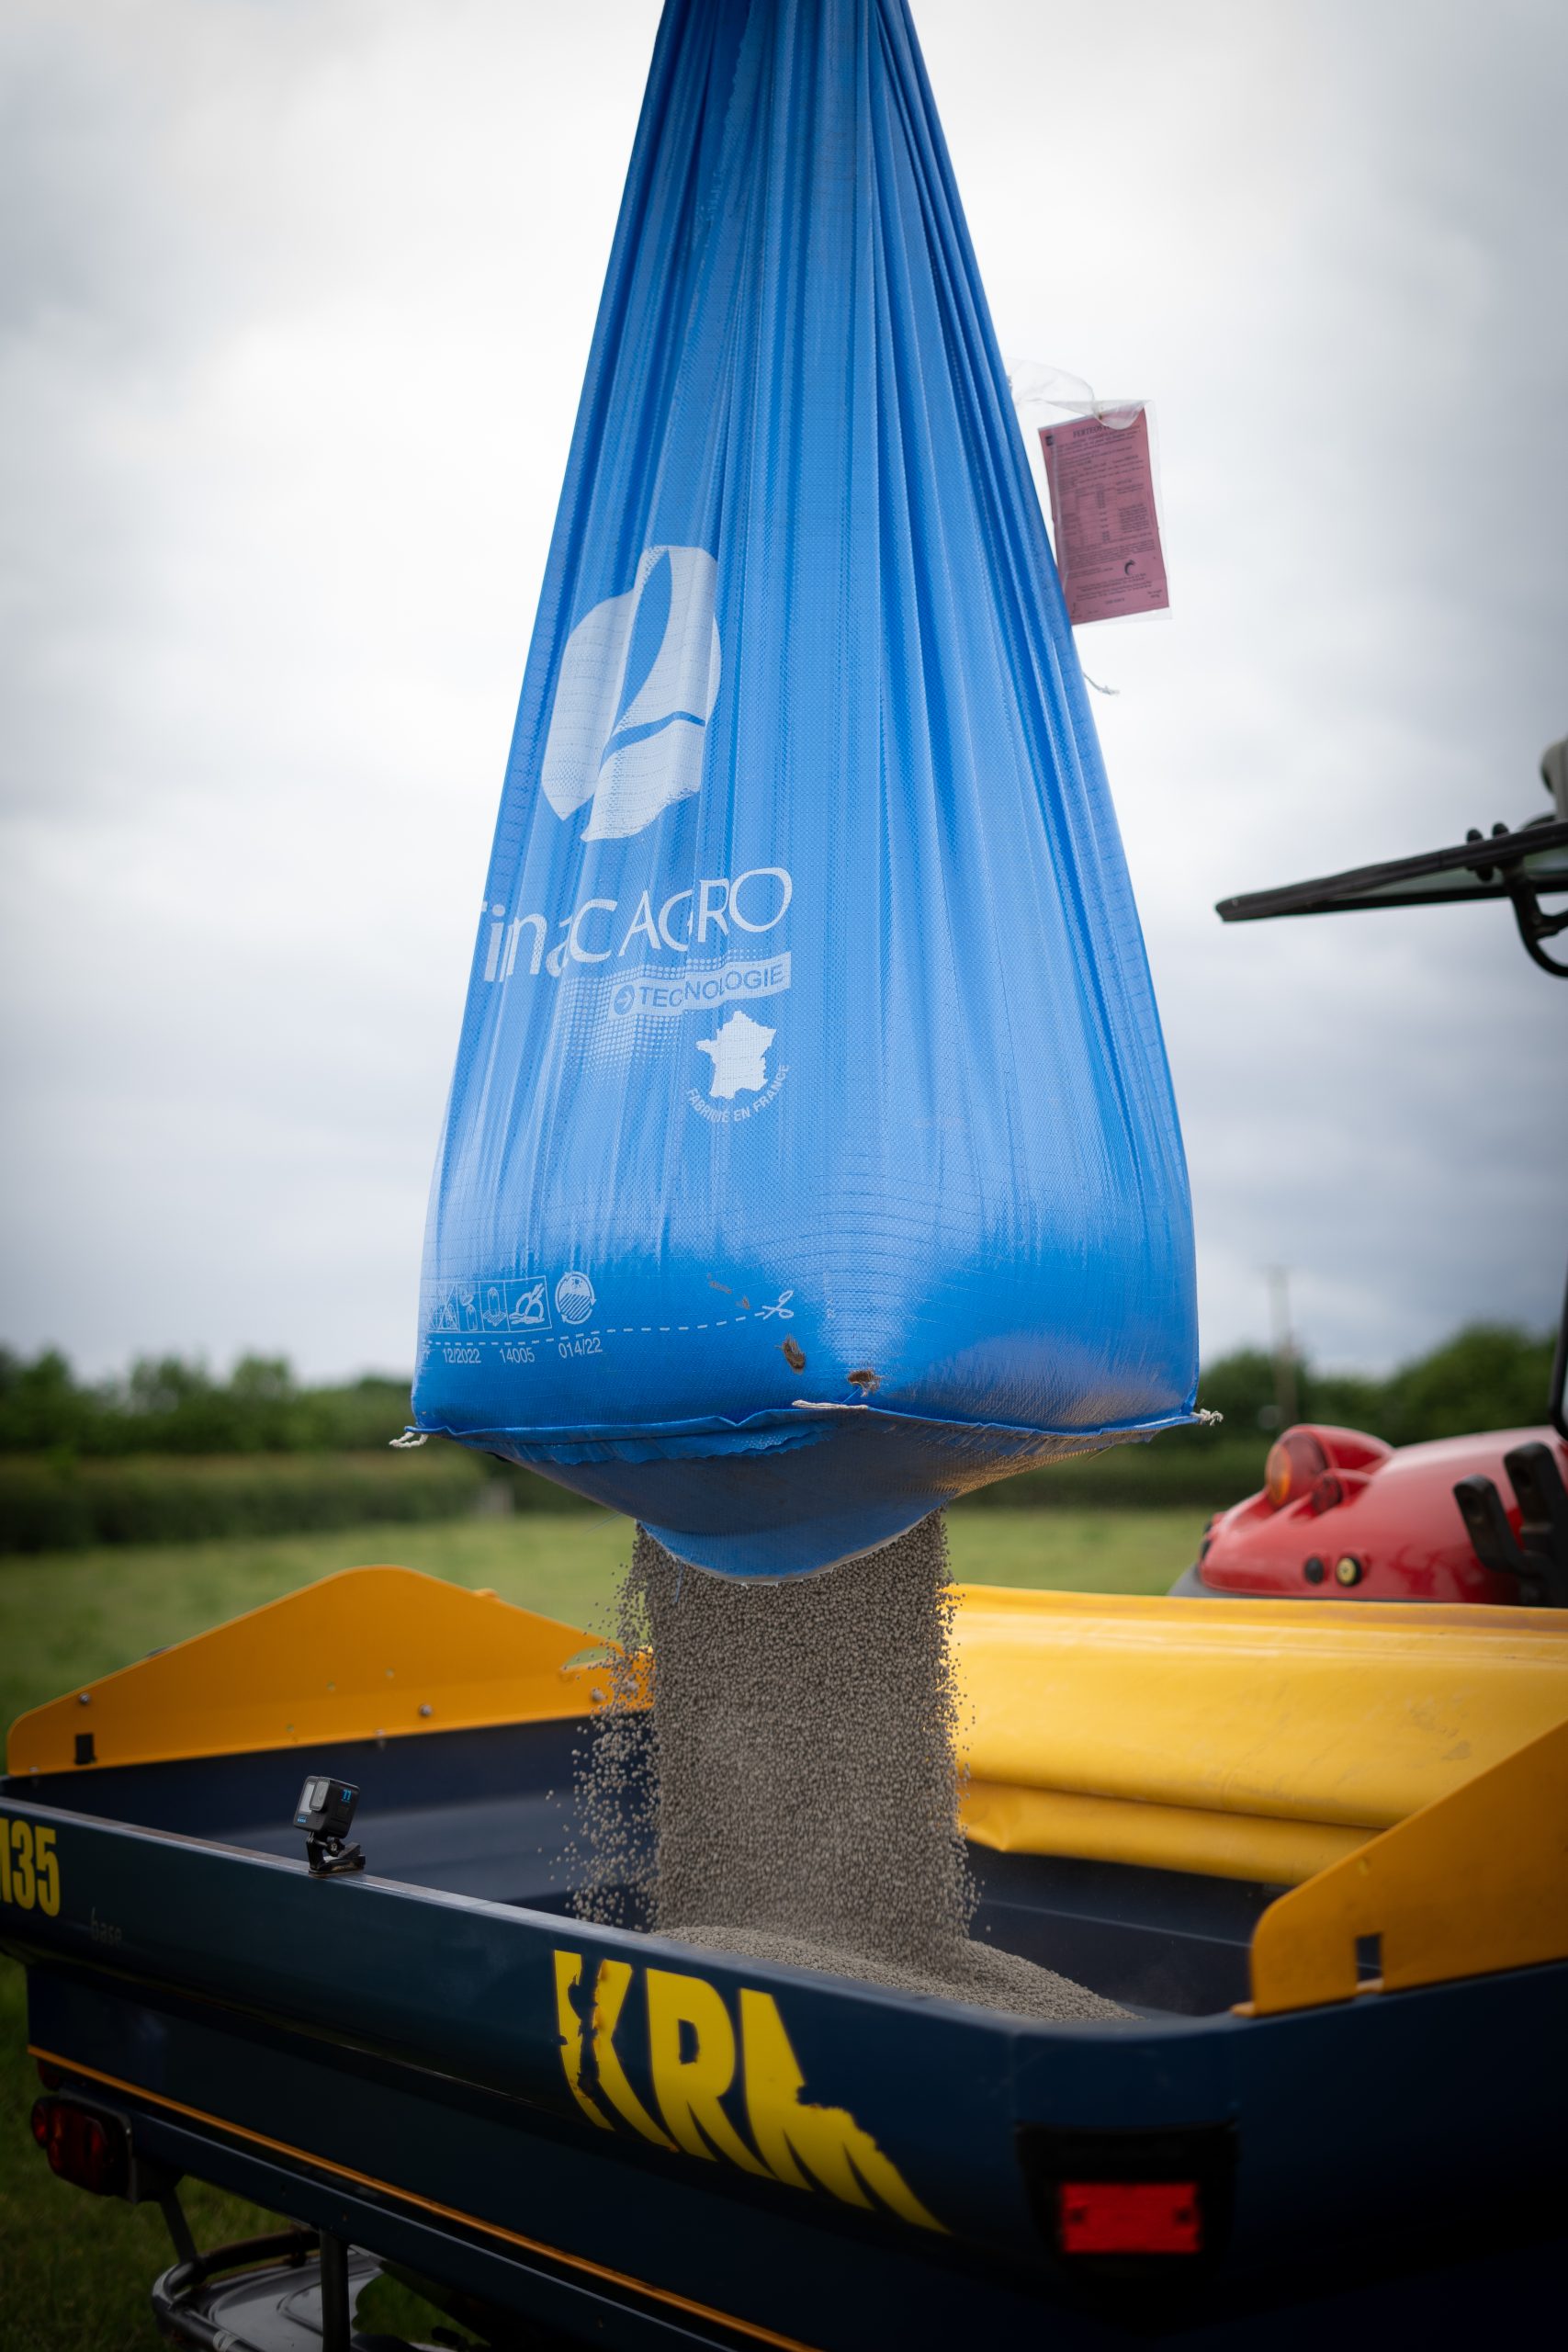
column 811, row 1156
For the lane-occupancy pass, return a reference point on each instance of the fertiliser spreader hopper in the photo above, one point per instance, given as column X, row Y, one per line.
column 1321, row 1862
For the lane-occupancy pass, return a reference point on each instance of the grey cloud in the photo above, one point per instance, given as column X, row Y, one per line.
column 294, row 304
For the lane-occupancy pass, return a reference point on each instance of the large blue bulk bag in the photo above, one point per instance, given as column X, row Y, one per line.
column 811, row 1156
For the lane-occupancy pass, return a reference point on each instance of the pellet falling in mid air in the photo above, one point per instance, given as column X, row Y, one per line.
column 798, row 1777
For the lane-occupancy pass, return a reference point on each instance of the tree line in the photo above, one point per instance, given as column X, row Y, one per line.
column 1488, row 1375
column 169, row 1405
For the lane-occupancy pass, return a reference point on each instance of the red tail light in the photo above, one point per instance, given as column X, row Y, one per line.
column 1130, row 2217
column 88, row 2150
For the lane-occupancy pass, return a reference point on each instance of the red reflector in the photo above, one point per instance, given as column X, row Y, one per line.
column 1130, row 2217
column 81, row 2148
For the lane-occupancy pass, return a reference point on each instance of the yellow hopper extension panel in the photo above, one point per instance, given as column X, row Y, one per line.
column 1245, row 1739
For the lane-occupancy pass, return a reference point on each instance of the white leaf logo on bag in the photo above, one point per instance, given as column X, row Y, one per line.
column 637, row 686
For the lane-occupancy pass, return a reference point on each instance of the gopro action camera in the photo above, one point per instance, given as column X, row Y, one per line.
column 324, row 1812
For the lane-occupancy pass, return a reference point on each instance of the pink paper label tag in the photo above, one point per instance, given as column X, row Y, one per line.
column 1102, row 515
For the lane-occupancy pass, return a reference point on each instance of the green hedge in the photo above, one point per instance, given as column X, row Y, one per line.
column 163, row 1406
column 59, row 1506
column 1180, row 1471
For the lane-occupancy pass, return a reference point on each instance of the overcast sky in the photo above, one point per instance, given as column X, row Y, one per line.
column 295, row 304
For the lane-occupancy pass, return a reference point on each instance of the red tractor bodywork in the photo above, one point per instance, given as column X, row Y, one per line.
column 1344, row 1516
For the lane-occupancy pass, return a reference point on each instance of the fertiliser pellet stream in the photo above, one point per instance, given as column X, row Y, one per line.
column 791, row 1794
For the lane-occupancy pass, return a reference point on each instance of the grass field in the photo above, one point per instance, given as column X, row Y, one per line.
column 67, row 1616
column 74, row 2271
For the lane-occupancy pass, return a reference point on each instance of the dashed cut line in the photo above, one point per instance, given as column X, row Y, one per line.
column 647, row 1330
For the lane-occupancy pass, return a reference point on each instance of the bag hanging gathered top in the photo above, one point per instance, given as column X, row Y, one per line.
column 811, row 1157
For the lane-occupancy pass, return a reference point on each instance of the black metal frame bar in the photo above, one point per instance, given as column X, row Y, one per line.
column 1494, row 864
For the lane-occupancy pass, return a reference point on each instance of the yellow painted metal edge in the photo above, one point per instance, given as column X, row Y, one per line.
column 1372, row 1619
column 1075, row 1684
column 372, row 1652
column 1474, row 1882
column 1158, row 1837
column 1344, row 1714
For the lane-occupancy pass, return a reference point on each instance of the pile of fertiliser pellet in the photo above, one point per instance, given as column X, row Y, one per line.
column 793, row 1794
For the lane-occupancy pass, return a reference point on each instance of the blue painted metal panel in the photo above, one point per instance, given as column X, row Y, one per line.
column 832, row 2281
column 758, row 2255
column 1358, row 2124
